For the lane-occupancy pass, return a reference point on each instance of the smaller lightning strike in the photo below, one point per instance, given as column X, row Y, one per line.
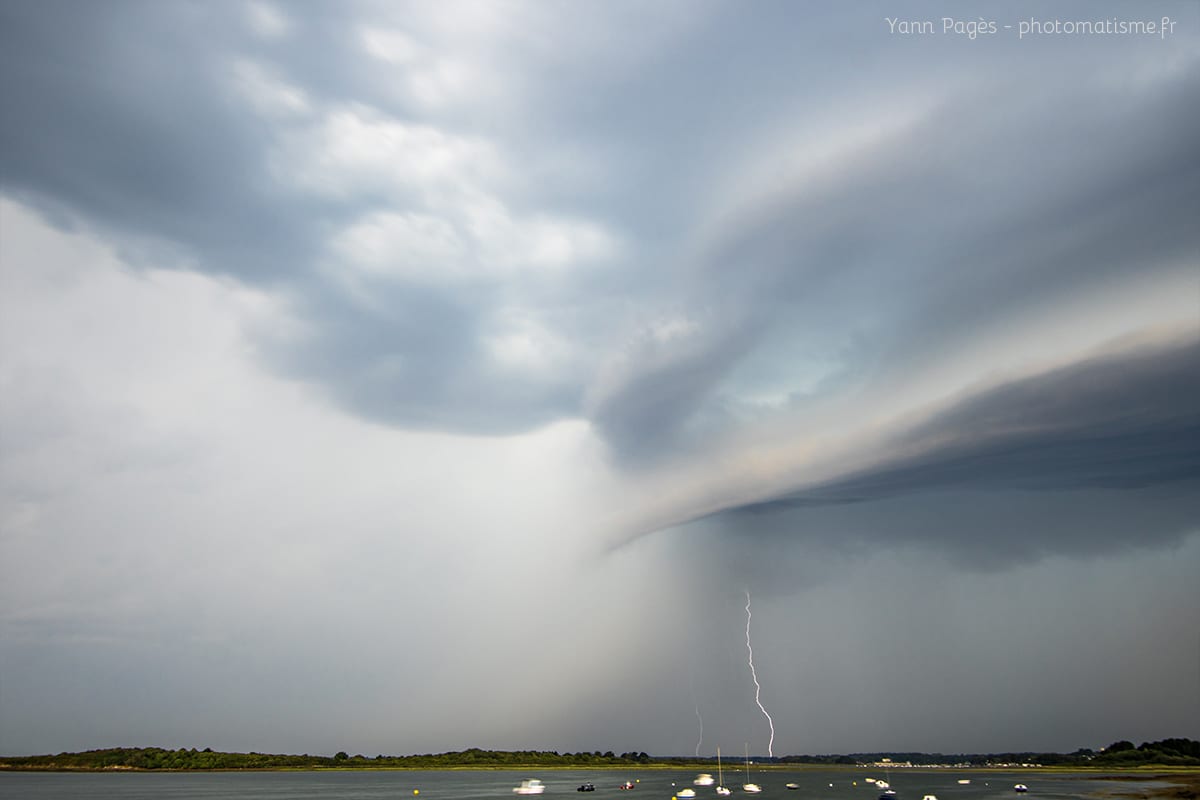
column 696, row 704
column 757, row 688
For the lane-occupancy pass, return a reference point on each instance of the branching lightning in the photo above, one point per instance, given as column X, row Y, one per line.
column 757, row 688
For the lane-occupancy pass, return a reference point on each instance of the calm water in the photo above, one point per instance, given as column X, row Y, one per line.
column 910, row 785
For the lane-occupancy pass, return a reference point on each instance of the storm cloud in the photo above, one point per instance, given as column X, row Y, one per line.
column 1119, row 422
column 1088, row 459
column 349, row 354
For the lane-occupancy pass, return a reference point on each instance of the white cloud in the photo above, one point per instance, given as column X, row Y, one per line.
column 440, row 212
column 425, row 248
column 533, row 242
column 267, row 20
column 429, row 75
column 496, row 59
column 266, row 92
column 392, row 46
column 521, row 341
column 413, row 246
column 357, row 149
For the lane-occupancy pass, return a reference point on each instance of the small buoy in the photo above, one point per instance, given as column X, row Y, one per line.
column 416, row 791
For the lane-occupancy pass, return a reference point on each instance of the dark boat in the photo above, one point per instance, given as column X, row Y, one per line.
column 587, row 787
column 889, row 794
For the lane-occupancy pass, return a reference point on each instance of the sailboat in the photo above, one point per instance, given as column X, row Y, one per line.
column 721, row 788
column 748, row 787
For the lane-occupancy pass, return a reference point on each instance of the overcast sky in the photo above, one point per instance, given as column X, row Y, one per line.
column 399, row 378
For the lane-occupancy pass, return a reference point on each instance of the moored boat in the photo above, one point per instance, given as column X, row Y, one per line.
column 530, row 786
column 721, row 788
column 748, row 787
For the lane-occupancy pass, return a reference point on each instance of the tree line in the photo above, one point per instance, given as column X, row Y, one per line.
column 1169, row 752
column 1123, row 753
column 1165, row 752
column 157, row 758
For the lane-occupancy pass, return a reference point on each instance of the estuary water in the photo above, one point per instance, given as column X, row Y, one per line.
column 476, row 785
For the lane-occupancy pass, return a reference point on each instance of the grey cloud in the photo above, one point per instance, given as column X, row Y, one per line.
column 664, row 384
column 122, row 114
column 1094, row 457
column 414, row 358
column 1121, row 422
column 968, row 530
column 994, row 198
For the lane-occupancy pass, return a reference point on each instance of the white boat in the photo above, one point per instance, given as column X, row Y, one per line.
column 748, row 787
column 686, row 793
column 883, row 784
column 721, row 788
column 964, row 781
column 530, row 786
column 794, row 785
column 929, row 797
column 1021, row 788
column 703, row 779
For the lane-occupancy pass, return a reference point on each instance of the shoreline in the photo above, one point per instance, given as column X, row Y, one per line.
column 1185, row 780
column 1182, row 785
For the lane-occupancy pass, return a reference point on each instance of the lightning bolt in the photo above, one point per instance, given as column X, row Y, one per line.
column 757, row 688
column 696, row 704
